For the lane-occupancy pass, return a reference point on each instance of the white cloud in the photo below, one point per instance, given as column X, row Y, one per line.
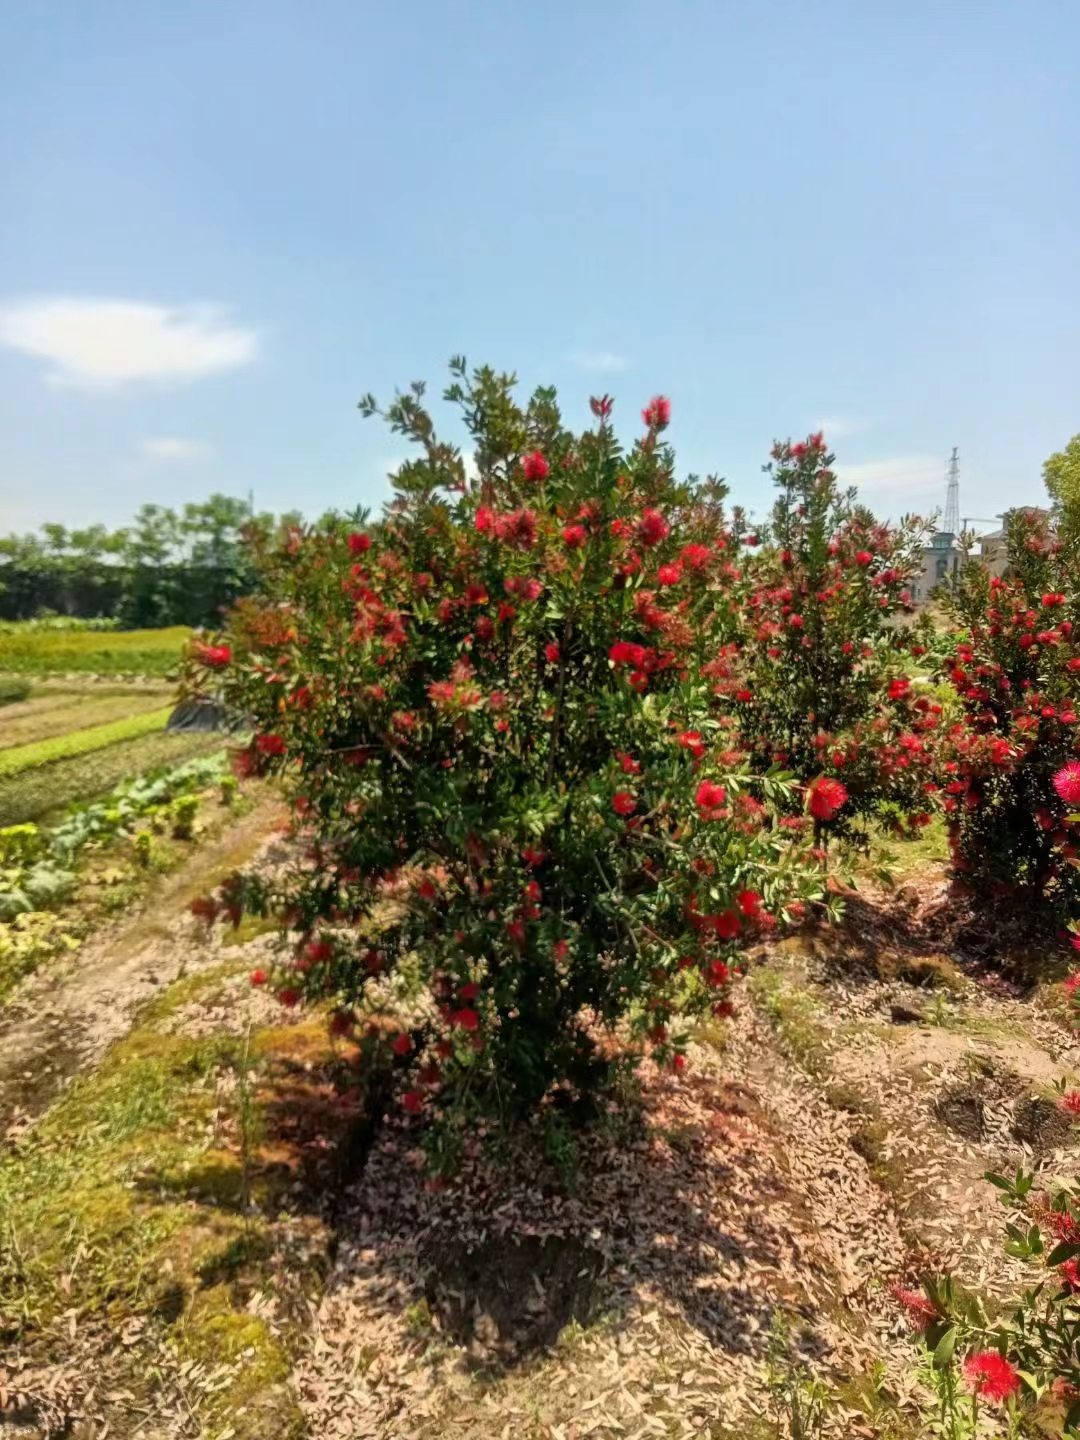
column 598, row 362
column 836, row 429
column 910, row 482
column 174, row 447
column 104, row 344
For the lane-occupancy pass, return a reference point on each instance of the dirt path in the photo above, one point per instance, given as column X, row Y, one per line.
column 65, row 1015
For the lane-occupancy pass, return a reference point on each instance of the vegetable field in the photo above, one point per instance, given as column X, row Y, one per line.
column 32, row 649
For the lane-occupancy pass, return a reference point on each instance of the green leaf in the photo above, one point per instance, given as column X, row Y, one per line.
column 946, row 1345
column 1061, row 1253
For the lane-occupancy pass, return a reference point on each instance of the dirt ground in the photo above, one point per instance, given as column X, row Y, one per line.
column 740, row 1231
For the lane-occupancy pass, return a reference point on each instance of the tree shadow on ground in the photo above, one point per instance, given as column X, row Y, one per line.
column 926, row 938
column 692, row 1215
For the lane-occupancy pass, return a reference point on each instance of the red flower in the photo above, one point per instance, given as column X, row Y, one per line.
column 551, row 652
column 669, row 574
column 466, row 1018
column 630, row 766
column 469, row 991
column 709, row 798
column 657, row 414
column 825, row 797
column 625, row 652
column 899, row 687
column 920, row 1311
column 476, row 593
column 289, row 998
column 259, row 977
column 359, row 543
column 691, row 740
column 402, row 1044
column 1070, row 1102
column 749, row 902
column 727, row 925
column 601, row 406
column 574, row 536
column 270, row 745
column 863, row 558
column 412, row 1102
column 215, row 656
column 485, row 519
column 990, row 1374
column 1067, row 783
column 652, row 527
column 623, row 803
column 535, row 466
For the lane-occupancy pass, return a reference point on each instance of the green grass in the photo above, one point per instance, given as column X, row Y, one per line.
column 44, row 790
column 81, row 742
column 28, row 651
column 71, row 711
column 125, row 1201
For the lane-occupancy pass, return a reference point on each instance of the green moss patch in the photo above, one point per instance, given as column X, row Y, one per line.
column 152, row 1190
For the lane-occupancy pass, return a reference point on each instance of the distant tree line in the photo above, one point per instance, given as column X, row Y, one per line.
column 167, row 567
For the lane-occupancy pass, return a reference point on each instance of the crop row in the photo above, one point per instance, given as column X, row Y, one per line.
column 72, row 712
column 43, row 790
column 81, row 742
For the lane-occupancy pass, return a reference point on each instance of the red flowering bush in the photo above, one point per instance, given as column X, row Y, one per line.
column 1022, row 1356
column 818, row 685
column 519, row 811
column 1012, row 762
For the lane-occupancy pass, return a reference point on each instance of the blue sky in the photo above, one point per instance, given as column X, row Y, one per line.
column 224, row 222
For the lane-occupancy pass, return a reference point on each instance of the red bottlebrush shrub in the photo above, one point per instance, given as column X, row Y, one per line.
column 496, row 755
column 818, row 686
column 1020, row 1356
column 1012, row 759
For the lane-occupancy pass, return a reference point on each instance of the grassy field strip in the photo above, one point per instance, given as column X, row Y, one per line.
column 43, row 790
column 81, row 742
column 114, row 652
column 76, row 713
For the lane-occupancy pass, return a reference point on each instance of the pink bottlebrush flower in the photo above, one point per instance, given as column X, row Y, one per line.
column 1067, row 783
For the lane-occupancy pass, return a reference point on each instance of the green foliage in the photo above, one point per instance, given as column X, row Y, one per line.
column 183, row 812
column 37, row 868
column 497, row 712
column 20, row 844
column 12, row 690
column 33, row 650
column 1061, row 475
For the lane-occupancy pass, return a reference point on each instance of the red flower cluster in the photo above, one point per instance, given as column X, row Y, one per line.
column 216, row 657
column 990, row 1374
column 825, row 797
column 535, row 467
column 657, row 414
